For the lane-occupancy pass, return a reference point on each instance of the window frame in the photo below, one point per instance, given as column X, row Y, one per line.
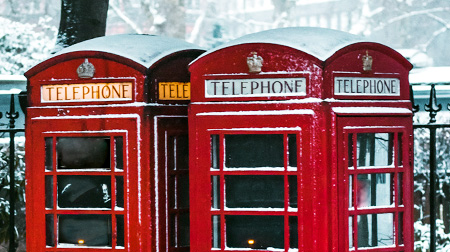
column 113, row 211
column 286, row 211
column 351, row 126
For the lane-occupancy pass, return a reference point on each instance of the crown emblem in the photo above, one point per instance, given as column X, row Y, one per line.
column 367, row 62
column 254, row 62
column 86, row 70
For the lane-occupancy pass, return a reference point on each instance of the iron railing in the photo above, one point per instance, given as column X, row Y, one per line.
column 433, row 108
column 11, row 129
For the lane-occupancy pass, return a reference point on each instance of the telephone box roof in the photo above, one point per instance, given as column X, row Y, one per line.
column 318, row 42
column 145, row 50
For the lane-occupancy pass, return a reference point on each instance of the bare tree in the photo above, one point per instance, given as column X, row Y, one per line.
column 81, row 20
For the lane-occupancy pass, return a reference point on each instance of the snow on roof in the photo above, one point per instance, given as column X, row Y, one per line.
column 428, row 75
column 318, row 42
column 143, row 49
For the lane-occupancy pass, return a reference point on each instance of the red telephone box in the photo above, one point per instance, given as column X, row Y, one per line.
column 302, row 142
column 107, row 148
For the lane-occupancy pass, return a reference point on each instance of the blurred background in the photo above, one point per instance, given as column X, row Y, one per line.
column 419, row 29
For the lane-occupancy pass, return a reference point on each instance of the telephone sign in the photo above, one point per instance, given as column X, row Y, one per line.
column 366, row 86
column 174, row 90
column 86, row 92
column 255, row 87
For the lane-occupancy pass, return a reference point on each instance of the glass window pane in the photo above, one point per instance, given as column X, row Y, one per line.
column 119, row 191
column 89, row 229
column 254, row 191
column 292, row 191
column 182, row 152
column 215, row 231
column 119, row 152
column 400, row 228
column 120, row 230
column 254, row 151
column 292, row 149
column 173, row 230
column 374, row 189
column 400, row 188
column 375, row 230
column 293, row 232
column 350, row 191
column 183, row 230
column 399, row 150
column 49, row 227
column 257, row 232
column 215, row 151
column 83, row 153
column 48, row 153
column 374, row 149
column 350, row 150
column 84, row 191
column 49, row 192
column 183, row 191
column 350, row 231
column 171, row 153
column 215, row 192
column 172, row 189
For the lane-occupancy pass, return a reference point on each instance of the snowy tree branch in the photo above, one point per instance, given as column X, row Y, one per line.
column 439, row 19
column 121, row 15
column 411, row 14
column 434, row 36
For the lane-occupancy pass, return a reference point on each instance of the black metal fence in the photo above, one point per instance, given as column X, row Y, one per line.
column 431, row 178
column 10, row 179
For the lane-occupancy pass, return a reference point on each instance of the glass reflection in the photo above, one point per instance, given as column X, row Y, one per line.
column 215, row 192
column 49, row 233
column 254, row 151
column 254, row 191
column 374, row 149
column 84, row 191
column 215, row 151
column 292, row 150
column 257, row 232
column 182, row 152
column 215, row 219
column 48, row 153
column 49, row 192
column 91, row 229
column 375, row 230
column 120, row 230
column 119, row 152
column 293, row 232
column 374, row 189
column 83, row 153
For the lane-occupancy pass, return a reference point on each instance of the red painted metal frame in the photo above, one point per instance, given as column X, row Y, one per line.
column 125, row 127
column 200, row 177
column 399, row 126
column 138, row 116
column 113, row 173
column 168, row 127
column 323, row 213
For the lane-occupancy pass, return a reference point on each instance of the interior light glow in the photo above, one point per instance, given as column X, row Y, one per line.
column 251, row 241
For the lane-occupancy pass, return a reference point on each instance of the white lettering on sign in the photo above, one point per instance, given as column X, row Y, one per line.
column 355, row 86
column 86, row 92
column 255, row 87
